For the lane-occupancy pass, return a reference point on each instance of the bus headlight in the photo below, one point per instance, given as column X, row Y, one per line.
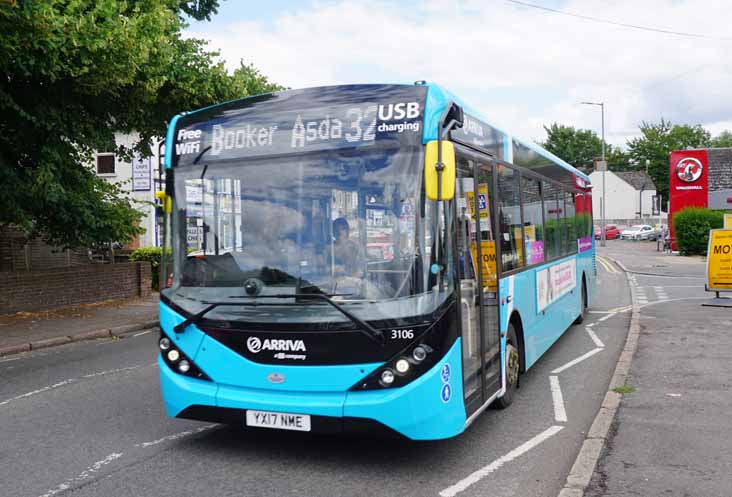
column 178, row 361
column 419, row 354
column 387, row 377
column 402, row 366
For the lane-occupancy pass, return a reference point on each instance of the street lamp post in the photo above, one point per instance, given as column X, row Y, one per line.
column 604, row 167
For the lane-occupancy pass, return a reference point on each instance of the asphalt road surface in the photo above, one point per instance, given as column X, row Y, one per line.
column 87, row 419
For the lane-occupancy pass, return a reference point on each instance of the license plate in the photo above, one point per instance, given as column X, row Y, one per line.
column 278, row 420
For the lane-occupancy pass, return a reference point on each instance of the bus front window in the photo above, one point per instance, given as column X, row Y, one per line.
column 338, row 223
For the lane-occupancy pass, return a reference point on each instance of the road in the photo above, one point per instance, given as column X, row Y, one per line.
column 86, row 419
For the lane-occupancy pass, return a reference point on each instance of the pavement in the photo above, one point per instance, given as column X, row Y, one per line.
column 671, row 434
column 26, row 331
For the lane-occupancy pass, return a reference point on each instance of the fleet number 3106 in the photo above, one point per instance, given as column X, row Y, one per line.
column 402, row 334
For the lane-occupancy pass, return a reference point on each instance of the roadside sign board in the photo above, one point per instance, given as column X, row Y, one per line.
column 719, row 261
column 728, row 221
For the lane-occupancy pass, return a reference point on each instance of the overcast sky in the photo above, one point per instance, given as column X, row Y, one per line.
column 521, row 67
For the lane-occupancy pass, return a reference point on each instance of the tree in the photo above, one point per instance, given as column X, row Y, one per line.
column 73, row 74
column 580, row 147
column 723, row 140
column 657, row 142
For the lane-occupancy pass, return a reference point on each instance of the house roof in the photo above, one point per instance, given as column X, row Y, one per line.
column 636, row 179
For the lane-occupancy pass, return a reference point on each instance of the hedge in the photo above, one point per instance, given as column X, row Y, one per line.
column 152, row 255
column 691, row 227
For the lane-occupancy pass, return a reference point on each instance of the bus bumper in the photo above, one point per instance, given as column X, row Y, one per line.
column 431, row 407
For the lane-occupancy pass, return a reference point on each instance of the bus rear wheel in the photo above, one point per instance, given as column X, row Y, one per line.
column 581, row 317
column 512, row 367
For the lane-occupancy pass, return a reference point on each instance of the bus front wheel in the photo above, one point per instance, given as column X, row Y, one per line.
column 512, row 366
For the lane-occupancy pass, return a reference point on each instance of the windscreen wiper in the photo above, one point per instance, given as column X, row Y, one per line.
column 365, row 328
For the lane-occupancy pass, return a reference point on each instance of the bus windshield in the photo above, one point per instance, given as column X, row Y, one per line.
column 344, row 223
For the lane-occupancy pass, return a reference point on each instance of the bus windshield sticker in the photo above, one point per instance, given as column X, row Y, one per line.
column 446, row 393
column 445, row 373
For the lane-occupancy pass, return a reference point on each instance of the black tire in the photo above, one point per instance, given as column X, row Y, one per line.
column 513, row 367
column 580, row 319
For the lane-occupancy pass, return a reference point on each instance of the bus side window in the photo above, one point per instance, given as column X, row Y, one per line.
column 509, row 199
column 533, row 221
column 552, row 214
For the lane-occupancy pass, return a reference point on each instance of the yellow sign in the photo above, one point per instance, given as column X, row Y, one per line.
column 488, row 264
column 530, row 232
column 719, row 260
column 482, row 203
column 728, row 221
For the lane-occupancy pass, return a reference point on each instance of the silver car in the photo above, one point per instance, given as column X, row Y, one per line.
column 639, row 232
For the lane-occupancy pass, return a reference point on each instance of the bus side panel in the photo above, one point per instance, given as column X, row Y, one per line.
column 418, row 410
column 542, row 329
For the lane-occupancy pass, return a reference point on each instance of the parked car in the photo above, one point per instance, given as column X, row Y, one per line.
column 611, row 232
column 639, row 232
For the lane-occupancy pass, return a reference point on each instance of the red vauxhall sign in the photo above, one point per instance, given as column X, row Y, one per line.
column 688, row 183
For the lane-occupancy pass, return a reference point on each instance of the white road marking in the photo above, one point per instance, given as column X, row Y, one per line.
column 40, row 390
column 84, row 475
column 175, row 436
column 110, row 371
column 560, row 414
column 675, row 300
column 594, row 337
column 68, row 382
column 673, row 277
column 9, row 359
column 142, row 333
column 607, row 316
column 677, row 286
column 487, row 470
column 576, row 361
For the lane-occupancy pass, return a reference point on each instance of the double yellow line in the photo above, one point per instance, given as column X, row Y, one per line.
column 607, row 264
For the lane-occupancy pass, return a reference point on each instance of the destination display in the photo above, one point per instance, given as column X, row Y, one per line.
column 300, row 121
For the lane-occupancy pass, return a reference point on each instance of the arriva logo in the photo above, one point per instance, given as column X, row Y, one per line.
column 255, row 344
column 689, row 169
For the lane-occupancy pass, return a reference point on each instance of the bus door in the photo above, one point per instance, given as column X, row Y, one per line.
column 478, row 279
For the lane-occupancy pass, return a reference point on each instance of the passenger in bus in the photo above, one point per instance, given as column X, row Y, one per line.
column 348, row 257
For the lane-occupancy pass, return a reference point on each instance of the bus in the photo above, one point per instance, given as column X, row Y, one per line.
column 362, row 257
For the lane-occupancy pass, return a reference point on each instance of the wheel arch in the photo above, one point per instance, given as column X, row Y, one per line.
column 518, row 326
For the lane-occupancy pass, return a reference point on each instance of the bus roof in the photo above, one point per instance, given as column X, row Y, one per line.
column 438, row 97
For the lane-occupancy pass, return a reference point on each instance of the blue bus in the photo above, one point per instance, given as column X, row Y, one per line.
column 362, row 257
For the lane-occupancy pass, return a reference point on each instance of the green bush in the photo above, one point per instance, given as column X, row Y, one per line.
column 152, row 255
column 691, row 228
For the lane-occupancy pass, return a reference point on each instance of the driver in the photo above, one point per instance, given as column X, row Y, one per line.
column 348, row 259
